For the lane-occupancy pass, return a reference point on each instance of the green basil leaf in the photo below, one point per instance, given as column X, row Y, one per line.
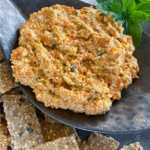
column 122, row 21
column 139, row 17
column 147, row 11
column 103, row 7
column 117, row 17
column 141, row 1
column 117, row 6
column 106, row 8
column 137, row 1
column 125, row 15
column 100, row 1
column 143, row 6
column 125, row 4
column 131, row 6
column 128, row 5
column 135, row 30
column 125, row 25
column 112, row 6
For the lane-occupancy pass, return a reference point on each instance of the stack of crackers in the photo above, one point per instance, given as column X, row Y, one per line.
column 24, row 127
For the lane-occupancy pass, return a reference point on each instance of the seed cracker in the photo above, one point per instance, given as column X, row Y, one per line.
column 52, row 129
column 1, row 55
column 22, row 122
column 1, row 116
column 73, row 131
column 52, row 132
column 99, row 142
column 133, row 146
column 6, row 79
column 66, row 143
column 15, row 90
column 4, row 137
column 50, row 120
column 0, row 96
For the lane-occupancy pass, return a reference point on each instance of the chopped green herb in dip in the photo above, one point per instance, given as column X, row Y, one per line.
column 54, row 45
column 73, row 69
column 104, row 70
column 76, row 13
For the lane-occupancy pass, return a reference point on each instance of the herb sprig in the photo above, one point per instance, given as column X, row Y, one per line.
column 130, row 13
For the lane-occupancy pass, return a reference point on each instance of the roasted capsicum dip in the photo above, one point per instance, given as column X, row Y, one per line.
column 74, row 59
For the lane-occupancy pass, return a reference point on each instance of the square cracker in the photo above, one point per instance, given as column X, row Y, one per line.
column 99, row 142
column 133, row 146
column 4, row 137
column 22, row 122
column 52, row 130
column 14, row 90
column 73, row 131
column 0, row 97
column 3, row 148
column 50, row 120
column 6, row 79
column 1, row 55
column 66, row 143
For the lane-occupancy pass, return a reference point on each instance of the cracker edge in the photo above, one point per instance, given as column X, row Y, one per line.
column 6, row 101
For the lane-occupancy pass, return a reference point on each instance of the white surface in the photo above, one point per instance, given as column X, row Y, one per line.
column 93, row 2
